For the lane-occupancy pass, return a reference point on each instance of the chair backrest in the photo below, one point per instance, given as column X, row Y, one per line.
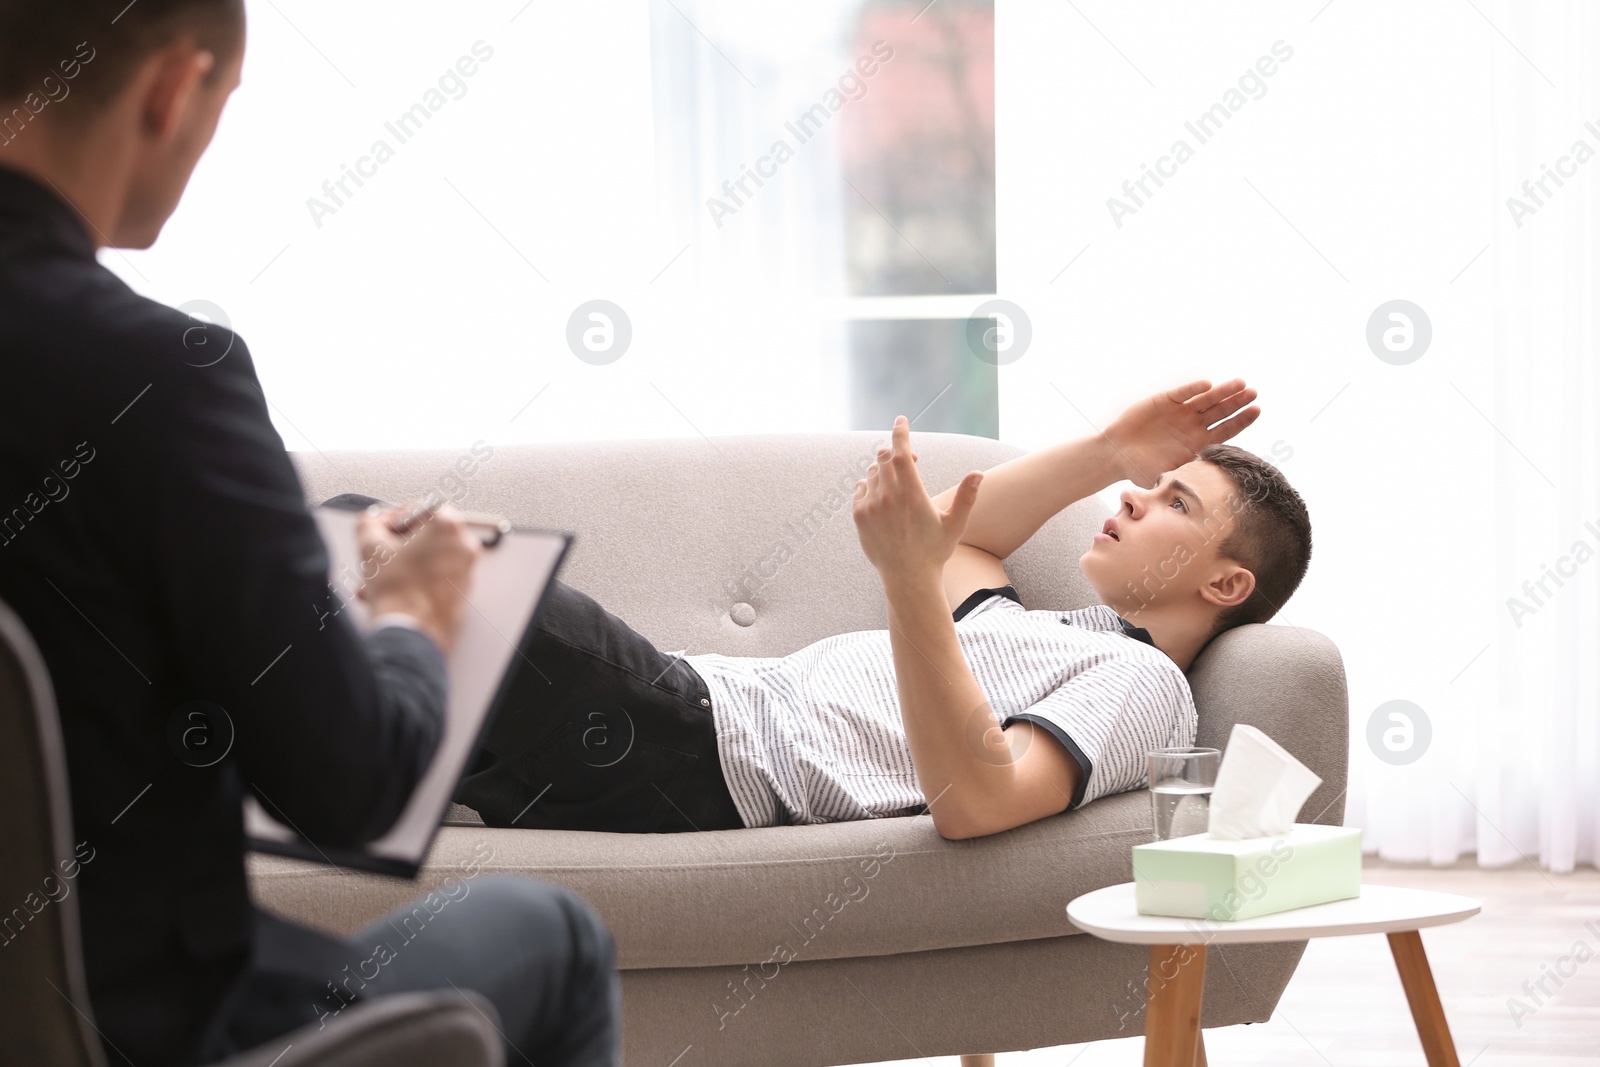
column 41, row 960
column 402, row 1030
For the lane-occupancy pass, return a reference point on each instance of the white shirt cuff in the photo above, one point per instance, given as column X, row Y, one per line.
column 396, row 618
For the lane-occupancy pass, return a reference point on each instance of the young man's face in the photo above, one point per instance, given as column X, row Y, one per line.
column 1161, row 546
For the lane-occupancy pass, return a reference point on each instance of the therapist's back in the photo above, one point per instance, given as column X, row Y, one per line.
column 154, row 538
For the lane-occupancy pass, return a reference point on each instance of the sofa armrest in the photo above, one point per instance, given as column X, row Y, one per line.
column 1289, row 682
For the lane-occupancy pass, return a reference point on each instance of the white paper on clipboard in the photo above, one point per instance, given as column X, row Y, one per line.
column 508, row 582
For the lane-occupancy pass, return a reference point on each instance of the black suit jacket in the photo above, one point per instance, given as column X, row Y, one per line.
column 154, row 538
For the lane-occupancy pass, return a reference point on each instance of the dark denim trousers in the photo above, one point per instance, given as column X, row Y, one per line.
column 601, row 731
column 537, row 951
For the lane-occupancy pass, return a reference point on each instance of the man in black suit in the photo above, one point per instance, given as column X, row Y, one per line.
column 154, row 538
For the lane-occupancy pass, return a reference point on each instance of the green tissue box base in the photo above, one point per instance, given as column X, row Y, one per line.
column 1198, row 877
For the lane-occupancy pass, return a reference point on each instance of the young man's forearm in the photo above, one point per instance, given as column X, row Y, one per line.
column 1022, row 494
column 938, row 699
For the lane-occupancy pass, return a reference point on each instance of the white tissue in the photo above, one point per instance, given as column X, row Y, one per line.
column 1260, row 787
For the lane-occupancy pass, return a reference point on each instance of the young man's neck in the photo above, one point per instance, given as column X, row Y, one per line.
column 1179, row 632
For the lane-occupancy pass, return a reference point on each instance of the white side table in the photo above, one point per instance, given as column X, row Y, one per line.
column 1178, row 956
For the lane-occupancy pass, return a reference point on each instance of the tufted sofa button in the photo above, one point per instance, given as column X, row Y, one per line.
column 742, row 613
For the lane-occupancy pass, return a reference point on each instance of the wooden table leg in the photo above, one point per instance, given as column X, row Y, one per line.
column 1417, row 978
column 1200, row 1049
column 1172, row 1007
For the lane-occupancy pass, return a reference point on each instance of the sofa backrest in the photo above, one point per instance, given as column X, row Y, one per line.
column 738, row 545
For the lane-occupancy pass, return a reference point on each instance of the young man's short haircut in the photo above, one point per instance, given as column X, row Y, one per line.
column 1271, row 534
column 40, row 39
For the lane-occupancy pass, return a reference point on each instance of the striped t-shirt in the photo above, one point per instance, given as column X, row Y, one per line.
column 817, row 736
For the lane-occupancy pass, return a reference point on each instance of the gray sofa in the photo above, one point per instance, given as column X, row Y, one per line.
column 802, row 946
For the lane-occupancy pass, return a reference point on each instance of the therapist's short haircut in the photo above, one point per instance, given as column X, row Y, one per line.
column 73, row 57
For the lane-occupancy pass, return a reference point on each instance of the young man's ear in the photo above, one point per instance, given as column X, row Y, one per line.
column 178, row 72
column 1230, row 586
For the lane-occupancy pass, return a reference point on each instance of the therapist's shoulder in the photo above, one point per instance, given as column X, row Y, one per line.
column 154, row 337
column 167, row 397
column 141, row 357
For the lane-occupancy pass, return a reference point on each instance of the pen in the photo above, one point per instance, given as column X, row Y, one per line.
column 496, row 525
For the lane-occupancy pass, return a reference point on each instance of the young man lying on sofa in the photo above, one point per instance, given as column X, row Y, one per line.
column 972, row 706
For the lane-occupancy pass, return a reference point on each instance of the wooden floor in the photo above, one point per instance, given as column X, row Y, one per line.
column 1345, row 1008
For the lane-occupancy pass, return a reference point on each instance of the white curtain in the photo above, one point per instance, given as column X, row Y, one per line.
column 728, row 78
column 1539, row 745
column 1522, row 785
column 761, row 255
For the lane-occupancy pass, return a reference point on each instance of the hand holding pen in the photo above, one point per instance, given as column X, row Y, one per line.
column 418, row 560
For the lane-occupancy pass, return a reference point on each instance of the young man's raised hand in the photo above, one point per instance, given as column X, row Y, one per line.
column 1164, row 431
column 902, row 532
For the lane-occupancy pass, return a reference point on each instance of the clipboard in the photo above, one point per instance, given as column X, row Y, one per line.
column 509, row 585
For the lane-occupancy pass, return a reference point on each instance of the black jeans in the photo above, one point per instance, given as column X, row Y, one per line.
column 601, row 731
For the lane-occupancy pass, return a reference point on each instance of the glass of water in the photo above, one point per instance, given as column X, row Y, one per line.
column 1180, row 789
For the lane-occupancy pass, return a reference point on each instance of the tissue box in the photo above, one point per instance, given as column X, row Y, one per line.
column 1201, row 877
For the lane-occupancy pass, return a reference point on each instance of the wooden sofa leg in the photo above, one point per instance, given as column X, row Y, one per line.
column 984, row 1060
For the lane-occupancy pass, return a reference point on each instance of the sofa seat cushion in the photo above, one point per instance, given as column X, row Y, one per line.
column 870, row 888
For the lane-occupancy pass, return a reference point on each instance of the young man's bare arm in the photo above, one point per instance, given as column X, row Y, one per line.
column 977, row 778
column 1154, row 435
column 1022, row 494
